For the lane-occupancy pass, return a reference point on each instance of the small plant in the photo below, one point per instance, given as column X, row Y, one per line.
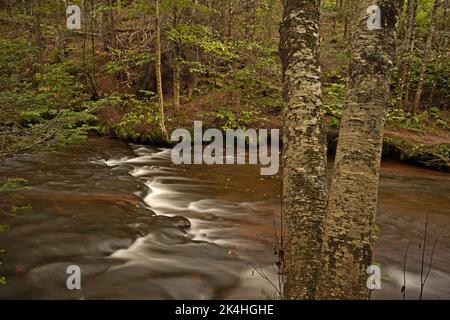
column 227, row 119
column 334, row 102
column 141, row 119
column 406, row 119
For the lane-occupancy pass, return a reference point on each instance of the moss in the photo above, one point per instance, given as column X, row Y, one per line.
column 435, row 156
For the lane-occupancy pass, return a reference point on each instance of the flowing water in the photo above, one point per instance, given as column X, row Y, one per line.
column 140, row 227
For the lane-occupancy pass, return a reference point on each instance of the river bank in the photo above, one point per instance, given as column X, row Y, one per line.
column 426, row 147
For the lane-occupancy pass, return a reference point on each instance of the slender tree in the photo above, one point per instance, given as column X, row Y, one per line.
column 352, row 199
column 304, row 149
column 176, row 16
column 441, row 50
column 108, row 26
column 158, row 72
column 406, row 53
column 426, row 54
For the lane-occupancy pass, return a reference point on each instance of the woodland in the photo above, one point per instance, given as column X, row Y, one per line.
column 136, row 70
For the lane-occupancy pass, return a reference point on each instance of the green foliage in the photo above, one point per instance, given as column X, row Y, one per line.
column 113, row 100
column 13, row 60
column 41, row 102
column 405, row 119
column 140, row 120
column 140, row 113
column 200, row 36
column 168, row 5
column 37, row 132
column 56, row 86
column 125, row 61
column 402, row 118
column 441, row 77
column 227, row 119
column 255, row 74
column 436, row 156
column 334, row 102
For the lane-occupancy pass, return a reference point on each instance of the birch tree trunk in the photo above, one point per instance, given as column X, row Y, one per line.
column 304, row 148
column 352, row 203
column 426, row 55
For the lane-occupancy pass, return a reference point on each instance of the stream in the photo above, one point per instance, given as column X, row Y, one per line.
column 140, row 227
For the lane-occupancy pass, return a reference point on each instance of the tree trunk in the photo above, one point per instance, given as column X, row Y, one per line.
column 406, row 51
column 194, row 77
column 345, row 14
column 407, row 78
column 304, row 150
column 108, row 26
column 441, row 50
column 352, row 202
column 426, row 55
column 158, row 73
column 176, row 62
column 176, row 84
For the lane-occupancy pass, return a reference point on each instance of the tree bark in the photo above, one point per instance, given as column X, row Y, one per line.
column 352, row 202
column 304, row 149
column 426, row 55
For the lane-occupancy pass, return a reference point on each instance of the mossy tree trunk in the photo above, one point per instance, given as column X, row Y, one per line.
column 304, row 149
column 352, row 203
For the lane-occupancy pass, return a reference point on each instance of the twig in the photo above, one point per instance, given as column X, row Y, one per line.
column 422, row 285
column 423, row 258
column 278, row 266
column 404, row 271
column 263, row 275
